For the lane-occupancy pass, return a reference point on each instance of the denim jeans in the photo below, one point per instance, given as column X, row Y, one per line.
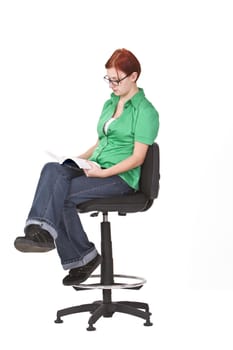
column 59, row 190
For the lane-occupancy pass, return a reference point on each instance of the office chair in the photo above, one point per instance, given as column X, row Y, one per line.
column 139, row 201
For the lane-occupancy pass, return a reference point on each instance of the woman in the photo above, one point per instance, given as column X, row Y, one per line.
column 127, row 126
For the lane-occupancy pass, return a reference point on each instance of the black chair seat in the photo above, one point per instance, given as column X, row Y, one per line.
column 131, row 203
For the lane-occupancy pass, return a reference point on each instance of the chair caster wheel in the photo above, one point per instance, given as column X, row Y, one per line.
column 91, row 328
column 58, row 320
column 148, row 323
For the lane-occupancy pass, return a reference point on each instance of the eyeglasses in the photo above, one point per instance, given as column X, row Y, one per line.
column 114, row 82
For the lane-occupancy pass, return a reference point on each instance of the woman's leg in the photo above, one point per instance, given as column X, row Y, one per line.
column 48, row 202
column 46, row 210
column 72, row 243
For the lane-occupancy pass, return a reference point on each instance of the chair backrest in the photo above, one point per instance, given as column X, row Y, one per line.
column 150, row 173
column 136, row 201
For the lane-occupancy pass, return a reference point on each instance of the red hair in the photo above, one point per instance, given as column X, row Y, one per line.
column 124, row 61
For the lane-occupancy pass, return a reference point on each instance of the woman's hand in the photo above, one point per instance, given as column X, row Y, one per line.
column 95, row 170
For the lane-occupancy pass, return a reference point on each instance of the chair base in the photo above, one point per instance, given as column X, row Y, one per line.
column 106, row 307
column 100, row 309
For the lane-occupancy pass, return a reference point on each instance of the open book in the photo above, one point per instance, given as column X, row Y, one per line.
column 81, row 163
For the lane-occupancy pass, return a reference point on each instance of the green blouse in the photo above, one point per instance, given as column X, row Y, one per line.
column 139, row 121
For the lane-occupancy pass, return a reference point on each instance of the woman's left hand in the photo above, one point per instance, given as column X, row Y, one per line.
column 95, row 170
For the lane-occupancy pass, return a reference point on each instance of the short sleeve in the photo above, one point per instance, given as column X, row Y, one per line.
column 147, row 125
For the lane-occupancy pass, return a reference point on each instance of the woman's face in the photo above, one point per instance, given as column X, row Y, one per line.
column 119, row 82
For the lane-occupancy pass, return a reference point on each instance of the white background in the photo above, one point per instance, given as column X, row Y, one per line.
column 51, row 68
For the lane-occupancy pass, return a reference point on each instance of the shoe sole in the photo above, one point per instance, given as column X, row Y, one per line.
column 25, row 246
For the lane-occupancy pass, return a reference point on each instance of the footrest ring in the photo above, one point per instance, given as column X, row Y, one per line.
column 138, row 282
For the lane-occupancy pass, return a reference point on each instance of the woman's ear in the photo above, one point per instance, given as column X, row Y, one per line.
column 134, row 76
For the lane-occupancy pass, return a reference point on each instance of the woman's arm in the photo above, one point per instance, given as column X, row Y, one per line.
column 135, row 160
column 89, row 152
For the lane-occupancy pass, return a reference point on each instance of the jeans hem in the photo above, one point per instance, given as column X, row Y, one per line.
column 80, row 262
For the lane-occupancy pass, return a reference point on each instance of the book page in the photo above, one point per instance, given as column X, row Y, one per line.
column 82, row 163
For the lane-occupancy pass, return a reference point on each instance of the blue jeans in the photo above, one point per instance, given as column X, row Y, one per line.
column 60, row 189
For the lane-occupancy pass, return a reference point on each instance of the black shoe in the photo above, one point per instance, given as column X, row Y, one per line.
column 81, row 274
column 36, row 240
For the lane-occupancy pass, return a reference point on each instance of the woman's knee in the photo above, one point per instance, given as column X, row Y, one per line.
column 51, row 167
